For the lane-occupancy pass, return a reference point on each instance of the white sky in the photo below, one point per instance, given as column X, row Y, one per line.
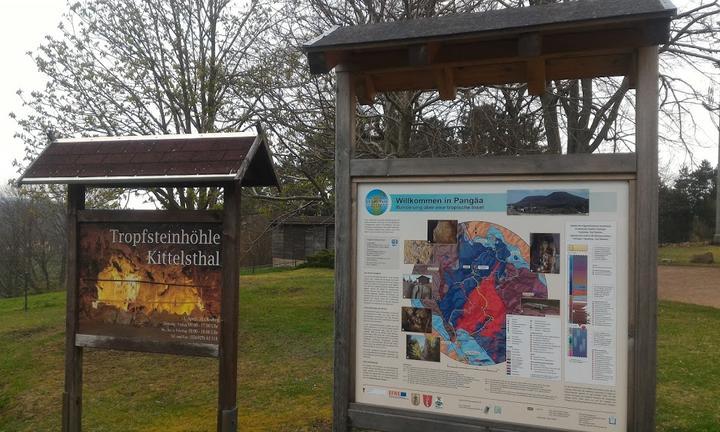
column 24, row 24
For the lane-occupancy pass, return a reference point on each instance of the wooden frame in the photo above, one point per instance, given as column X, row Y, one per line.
column 641, row 171
column 225, row 351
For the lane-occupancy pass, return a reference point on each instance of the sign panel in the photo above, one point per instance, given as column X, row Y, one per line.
column 150, row 282
column 498, row 301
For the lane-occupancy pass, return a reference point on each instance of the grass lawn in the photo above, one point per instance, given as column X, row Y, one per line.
column 680, row 254
column 285, row 375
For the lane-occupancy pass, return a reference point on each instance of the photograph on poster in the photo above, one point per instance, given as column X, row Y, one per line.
column 444, row 257
column 416, row 320
column 417, row 286
column 578, row 345
column 548, row 202
column 418, row 252
column 545, row 252
column 423, row 347
column 578, row 290
column 442, row 231
column 540, row 307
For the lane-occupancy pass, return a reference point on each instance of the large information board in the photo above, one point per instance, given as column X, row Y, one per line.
column 502, row 301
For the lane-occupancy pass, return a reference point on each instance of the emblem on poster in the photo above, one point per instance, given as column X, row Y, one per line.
column 415, row 398
column 427, row 400
column 376, row 202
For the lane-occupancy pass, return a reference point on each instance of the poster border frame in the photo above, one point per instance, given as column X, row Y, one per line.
column 362, row 415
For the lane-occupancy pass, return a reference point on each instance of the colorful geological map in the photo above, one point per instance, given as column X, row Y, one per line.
column 475, row 285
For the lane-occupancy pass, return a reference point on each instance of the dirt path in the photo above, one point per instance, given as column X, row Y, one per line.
column 698, row 285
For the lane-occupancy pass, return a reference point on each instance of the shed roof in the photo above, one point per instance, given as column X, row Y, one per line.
column 525, row 19
column 199, row 159
column 534, row 45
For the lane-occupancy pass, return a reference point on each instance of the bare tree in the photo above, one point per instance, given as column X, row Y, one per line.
column 141, row 67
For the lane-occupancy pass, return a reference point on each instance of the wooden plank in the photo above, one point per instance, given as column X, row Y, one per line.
column 589, row 66
column 151, row 216
column 605, row 65
column 646, row 238
column 398, row 420
column 344, row 144
column 515, row 178
column 227, row 376
column 131, row 344
column 496, row 165
column 72, row 396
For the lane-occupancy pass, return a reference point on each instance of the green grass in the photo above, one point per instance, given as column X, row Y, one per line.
column 285, row 375
column 680, row 254
column 285, row 372
column 688, row 368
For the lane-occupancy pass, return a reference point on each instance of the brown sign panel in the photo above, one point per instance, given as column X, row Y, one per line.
column 150, row 286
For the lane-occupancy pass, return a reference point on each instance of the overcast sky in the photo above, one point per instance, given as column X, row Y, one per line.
column 24, row 23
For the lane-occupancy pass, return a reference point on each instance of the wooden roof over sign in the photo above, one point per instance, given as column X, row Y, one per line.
column 580, row 39
column 192, row 160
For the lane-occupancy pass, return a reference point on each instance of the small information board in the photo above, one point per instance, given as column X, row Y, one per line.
column 159, row 281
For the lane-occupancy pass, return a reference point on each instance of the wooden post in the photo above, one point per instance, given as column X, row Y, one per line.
column 72, row 395
column 344, row 144
column 646, row 223
column 227, row 395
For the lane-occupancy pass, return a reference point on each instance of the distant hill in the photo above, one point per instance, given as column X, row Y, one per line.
column 556, row 202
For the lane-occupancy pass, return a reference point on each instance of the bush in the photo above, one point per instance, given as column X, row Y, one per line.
column 324, row 258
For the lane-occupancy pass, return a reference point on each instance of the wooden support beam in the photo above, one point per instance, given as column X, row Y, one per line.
column 633, row 73
column 536, row 76
column 227, row 395
column 445, row 82
column 365, row 89
column 72, row 395
column 344, row 145
column 642, row 396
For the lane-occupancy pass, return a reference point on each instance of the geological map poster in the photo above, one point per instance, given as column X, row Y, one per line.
column 150, row 282
column 500, row 301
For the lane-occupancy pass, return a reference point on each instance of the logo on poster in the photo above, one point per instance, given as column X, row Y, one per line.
column 415, row 398
column 427, row 400
column 439, row 402
column 396, row 394
column 376, row 202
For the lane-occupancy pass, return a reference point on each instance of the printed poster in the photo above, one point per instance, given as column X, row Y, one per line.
column 150, row 282
column 498, row 301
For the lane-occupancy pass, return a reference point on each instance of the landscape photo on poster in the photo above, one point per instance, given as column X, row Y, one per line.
column 476, row 283
column 548, row 201
column 150, row 282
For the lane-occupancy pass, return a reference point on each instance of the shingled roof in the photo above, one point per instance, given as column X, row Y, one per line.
column 526, row 19
column 155, row 160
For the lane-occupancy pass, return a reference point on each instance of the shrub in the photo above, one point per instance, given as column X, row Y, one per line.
column 324, row 258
